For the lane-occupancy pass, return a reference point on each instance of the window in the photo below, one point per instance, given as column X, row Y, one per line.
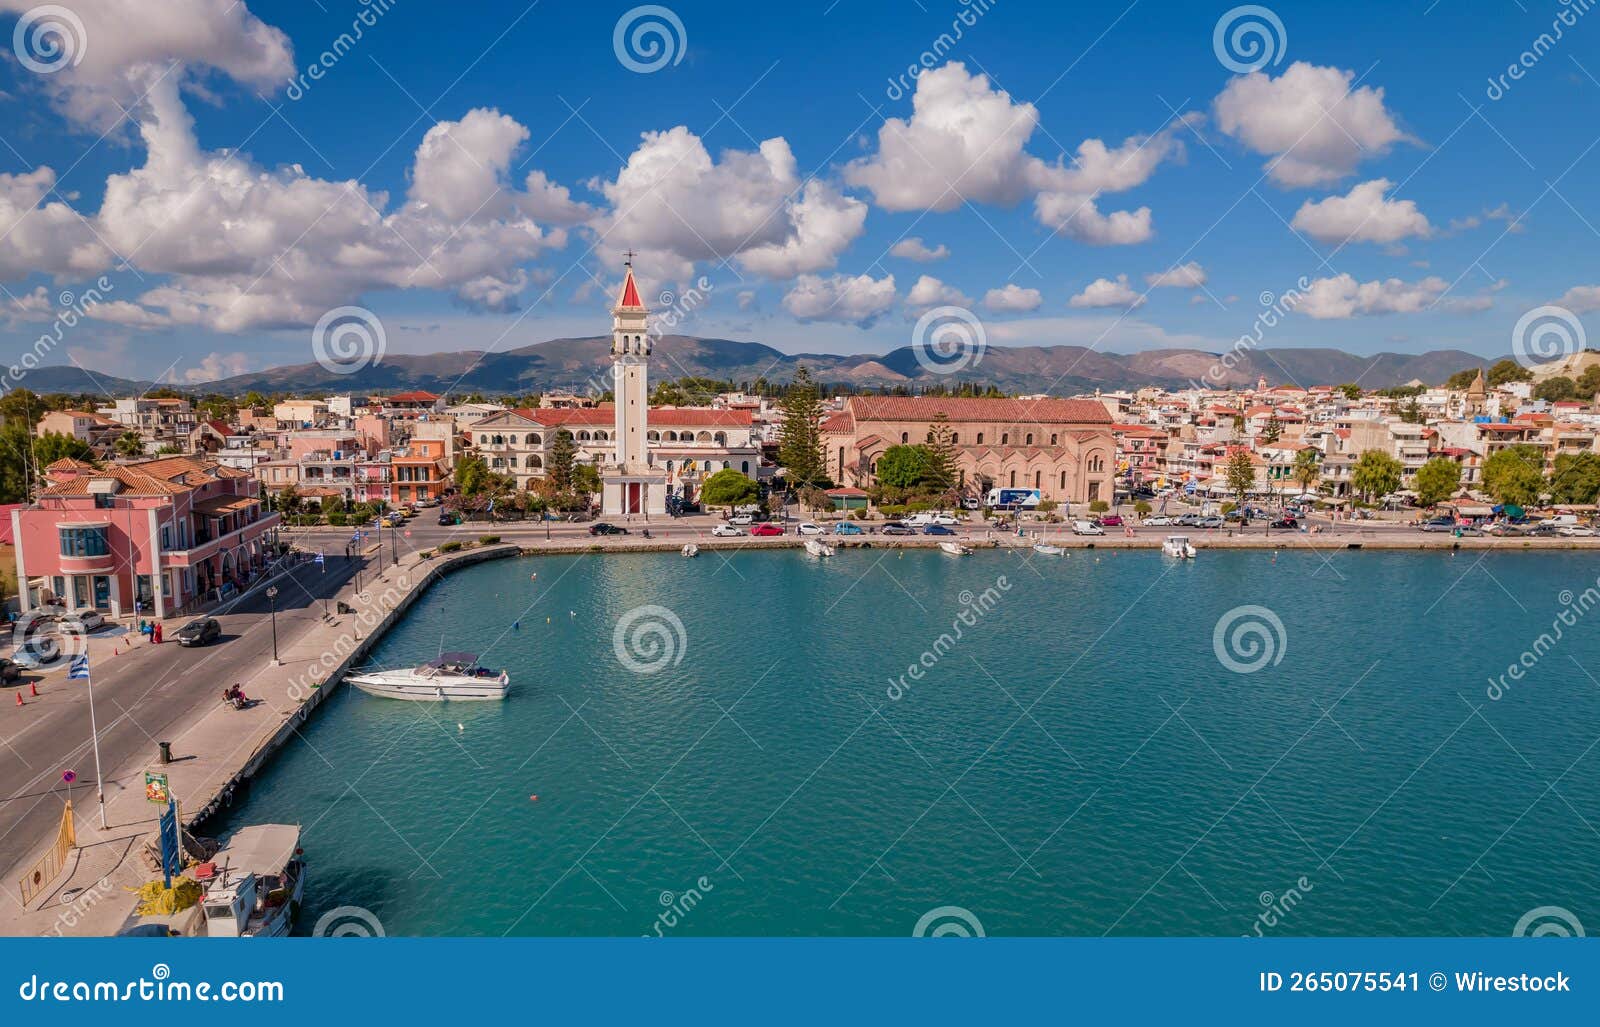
column 980, row 438
column 1005, row 438
column 104, row 502
column 744, row 465
column 84, row 542
column 1063, row 481
column 905, row 437
column 1036, row 479
column 1052, row 438
column 1013, row 479
column 955, row 439
column 1029, row 440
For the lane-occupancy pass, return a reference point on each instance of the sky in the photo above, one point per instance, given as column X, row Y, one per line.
column 818, row 176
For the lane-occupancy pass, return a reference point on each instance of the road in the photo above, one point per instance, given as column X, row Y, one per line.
column 142, row 695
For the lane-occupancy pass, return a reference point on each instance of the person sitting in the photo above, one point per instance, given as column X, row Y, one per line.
column 235, row 696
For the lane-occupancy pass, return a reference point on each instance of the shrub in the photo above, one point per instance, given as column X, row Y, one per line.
column 1047, row 506
column 426, row 554
column 488, row 540
column 859, row 515
column 1099, row 506
column 1141, row 508
column 449, row 547
column 338, row 520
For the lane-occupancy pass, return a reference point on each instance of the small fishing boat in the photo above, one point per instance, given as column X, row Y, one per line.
column 691, row 550
column 818, row 548
column 449, row 677
column 1178, row 546
column 1046, row 549
column 954, row 549
column 254, row 884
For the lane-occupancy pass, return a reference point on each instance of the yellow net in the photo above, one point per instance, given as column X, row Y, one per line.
column 156, row 899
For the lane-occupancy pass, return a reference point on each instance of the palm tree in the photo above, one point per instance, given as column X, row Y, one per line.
column 129, row 444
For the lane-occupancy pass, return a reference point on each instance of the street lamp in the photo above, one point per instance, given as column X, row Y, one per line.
column 272, row 599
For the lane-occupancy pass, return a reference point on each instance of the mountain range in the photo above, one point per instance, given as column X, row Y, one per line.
column 578, row 364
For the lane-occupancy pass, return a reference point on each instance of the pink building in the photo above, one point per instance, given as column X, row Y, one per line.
column 163, row 533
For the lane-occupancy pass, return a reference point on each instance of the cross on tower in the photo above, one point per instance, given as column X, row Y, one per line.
column 628, row 259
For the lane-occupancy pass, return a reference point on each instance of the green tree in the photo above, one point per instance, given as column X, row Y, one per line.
column 585, row 480
column 129, row 444
column 1589, row 382
column 1240, row 473
column 1462, row 380
column 1514, row 475
column 903, row 467
column 1272, row 431
column 1576, row 478
column 800, row 435
column 472, row 475
column 1437, row 480
column 562, row 455
column 941, row 451
column 1411, row 413
column 1306, row 468
column 728, row 488
column 1555, row 389
column 1506, row 371
column 1376, row 474
column 1351, row 390
column 53, row 446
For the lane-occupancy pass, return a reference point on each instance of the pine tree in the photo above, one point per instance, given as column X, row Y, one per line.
column 800, row 437
column 562, row 454
column 941, row 476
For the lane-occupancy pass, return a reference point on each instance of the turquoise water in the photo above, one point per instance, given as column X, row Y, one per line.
column 1079, row 762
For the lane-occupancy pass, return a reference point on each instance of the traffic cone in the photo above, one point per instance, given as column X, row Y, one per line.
column 19, row 699
column 33, row 689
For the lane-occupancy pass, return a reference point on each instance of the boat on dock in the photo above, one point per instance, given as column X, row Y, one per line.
column 818, row 548
column 1046, row 549
column 448, row 677
column 954, row 549
column 690, row 550
column 1178, row 546
column 254, row 885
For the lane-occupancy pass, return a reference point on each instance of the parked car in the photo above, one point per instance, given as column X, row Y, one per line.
column 36, row 657
column 1439, row 524
column 846, row 528
column 1209, row 522
column 726, row 531
column 1188, row 520
column 1109, row 520
column 1501, row 529
column 9, row 671
column 971, row 504
column 1576, row 531
column 807, row 528
column 89, row 619
column 606, row 529
column 1285, row 522
column 937, row 529
column 742, row 518
column 765, row 528
column 202, row 631
column 1087, row 528
column 1543, row 531
column 449, row 518
column 896, row 528
column 1470, row 531
column 1158, row 521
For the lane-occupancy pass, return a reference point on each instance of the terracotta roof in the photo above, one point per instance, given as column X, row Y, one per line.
column 67, row 463
column 670, row 417
column 1016, row 411
column 149, row 477
column 839, row 423
column 218, row 505
column 416, row 396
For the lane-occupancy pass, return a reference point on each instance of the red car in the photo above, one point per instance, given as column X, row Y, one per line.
column 766, row 529
column 1109, row 521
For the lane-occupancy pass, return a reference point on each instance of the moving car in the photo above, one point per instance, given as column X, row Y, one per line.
column 606, row 529
column 807, row 528
column 1501, row 529
column 846, row 528
column 765, row 528
column 742, row 518
column 1087, row 528
column 1439, row 524
column 1158, row 521
column 1575, row 531
column 726, row 531
column 1209, row 522
column 971, row 504
column 91, row 620
column 937, row 529
column 202, row 631
column 1285, row 522
column 896, row 528
column 1109, row 520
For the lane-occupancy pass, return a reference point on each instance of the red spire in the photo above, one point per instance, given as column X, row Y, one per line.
column 630, row 292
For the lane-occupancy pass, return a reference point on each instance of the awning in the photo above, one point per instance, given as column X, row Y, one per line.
column 220, row 505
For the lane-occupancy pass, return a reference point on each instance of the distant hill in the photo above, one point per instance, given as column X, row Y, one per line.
column 579, row 363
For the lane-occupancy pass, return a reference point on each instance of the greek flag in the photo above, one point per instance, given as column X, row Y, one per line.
column 78, row 669
column 1190, row 487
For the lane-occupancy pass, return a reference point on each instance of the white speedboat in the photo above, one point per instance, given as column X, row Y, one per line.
column 1178, row 546
column 818, row 548
column 449, row 677
column 1046, row 549
column 691, row 550
column 254, row 884
column 954, row 549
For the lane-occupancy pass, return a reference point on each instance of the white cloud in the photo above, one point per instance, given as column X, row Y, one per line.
column 824, row 224
column 1581, row 299
column 1314, row 126
column 1012, row 298
column 1184, row 276
column 747, row 300
column 1365, row 214
column 966, row 142
column 123, row 312
column 1342, row 296
column 1103, row 292
column 859, row 300
column 216, row 366
column 914, row 249
column 36, row 235
column 930, row 292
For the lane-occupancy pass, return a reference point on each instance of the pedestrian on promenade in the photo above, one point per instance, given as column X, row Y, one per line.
column 155, row 633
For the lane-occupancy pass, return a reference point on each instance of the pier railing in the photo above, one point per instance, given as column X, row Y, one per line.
column 42, row 873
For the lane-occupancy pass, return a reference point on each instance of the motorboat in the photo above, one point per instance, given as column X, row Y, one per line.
column 448, row 677
column 954, row 549
column 818, row 548
column 254, row 884
column 1178, row 546
column 690, row 550
column 1046, row 549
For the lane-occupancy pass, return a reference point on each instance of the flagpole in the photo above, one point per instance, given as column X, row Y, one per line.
column 94, row 736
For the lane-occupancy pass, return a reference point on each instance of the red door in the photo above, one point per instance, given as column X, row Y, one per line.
column 634, row 489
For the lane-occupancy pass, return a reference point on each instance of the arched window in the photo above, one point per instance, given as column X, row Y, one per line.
column 1052, row 438
column 905, row 437
column 535, row 440
column 601, row 436
column 1036, row 479
column 1063, row 481
column 483, row 440
column 704, row 436
column 1005, row 438
column 583, row 436
column 1029, row 440
column 499, row 440
column 721, row 438
column 534, row 461
column 954, row 439
column 744, row 466
column 1013, row 479
column 980, row 438
column 653, row 436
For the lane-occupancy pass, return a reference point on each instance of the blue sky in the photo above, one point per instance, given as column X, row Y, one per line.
column 760, row 161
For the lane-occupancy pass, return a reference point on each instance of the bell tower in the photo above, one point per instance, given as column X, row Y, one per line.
column 631, row 485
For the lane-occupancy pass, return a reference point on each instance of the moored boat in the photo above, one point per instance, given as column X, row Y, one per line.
column 1046, row 549
column 449, row 677
column 254, row 884
column 690, row 550
column 954, row 549
column 818, row 548
column 1178, row 546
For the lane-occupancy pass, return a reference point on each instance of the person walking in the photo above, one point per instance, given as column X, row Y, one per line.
column 155, row 633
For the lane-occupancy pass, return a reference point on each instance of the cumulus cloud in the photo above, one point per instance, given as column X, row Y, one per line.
column 914, row 249
column 216, row 366
column 676, row 206
column 1012, row 298
column 1342, row 296
column 858, row 300
column 1313, row 125
column 1581, row 299
column 930, row 292
column 1103, row 292
column 966, row 142
column 1365, row 214
column 1184, row 276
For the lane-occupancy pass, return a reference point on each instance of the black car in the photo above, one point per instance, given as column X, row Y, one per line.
column 9, row 671
column 606, row 529
column 1286, row 522
column 448, row 519
column 199, row 632
column 899, row 529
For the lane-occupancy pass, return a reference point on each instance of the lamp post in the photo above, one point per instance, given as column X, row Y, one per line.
column 272, row 600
